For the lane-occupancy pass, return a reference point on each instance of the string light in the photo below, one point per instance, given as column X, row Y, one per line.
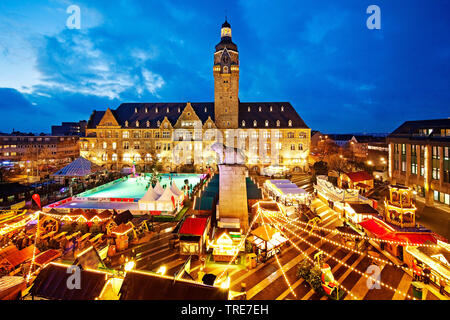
column 370, row 238
column 358, row 251
column 354, row 269
column 311, row 260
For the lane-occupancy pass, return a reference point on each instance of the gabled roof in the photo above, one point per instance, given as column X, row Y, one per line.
column 150, row 195
column 51, row 283
column 80, row 167
column 154, row 112
column 194, row 226
column 359, row 176
column 146, row 286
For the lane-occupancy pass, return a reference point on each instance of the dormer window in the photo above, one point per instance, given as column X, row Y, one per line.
column 135, row 110
column 278, row 123
column 179, row 110
column 259, row 109
column 146, row 110
column 290, row 123
column 126, row 123
column 270, row 108
column 165, row 125
column 243, row 123
column 148, row 123
column 254, row 123
column 137, row 124
column 282, row 108
column 156, row 110
column 248, row 109
column 167, row 109
column 158, row 123
column 267, row 123
column 206, row 110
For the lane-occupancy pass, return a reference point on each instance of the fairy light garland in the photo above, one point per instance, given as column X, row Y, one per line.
column 358, row 251
column 369, row 238
column 278, row 262
column 354, row 269
column 311, row 260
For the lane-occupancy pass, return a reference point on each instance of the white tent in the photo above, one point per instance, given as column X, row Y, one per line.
column 148, row 201
column 158, row 189
column 165, row 203
column 175, row 190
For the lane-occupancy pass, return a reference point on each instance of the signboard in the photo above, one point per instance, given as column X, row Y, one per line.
column 18, row 206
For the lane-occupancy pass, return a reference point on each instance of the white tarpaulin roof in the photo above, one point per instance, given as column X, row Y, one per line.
column 158, row 189
column 150, row 195
column 175, row 190
column 80, row 167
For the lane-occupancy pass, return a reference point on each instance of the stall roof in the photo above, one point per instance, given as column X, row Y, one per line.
column 363, row 208
column 265, row 232
column 51, row 283
column 47, row 256
column 204, row 203
column 434, row 251
column 194, row 226
column 17, row 257
column 359, row 176
column 123, row 217
column 147, row 286
column 80, row 167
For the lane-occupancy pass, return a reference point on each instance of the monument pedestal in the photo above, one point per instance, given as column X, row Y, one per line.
column 232, row 205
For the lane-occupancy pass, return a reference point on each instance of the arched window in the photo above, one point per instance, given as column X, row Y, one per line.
column 259, row 109
column 135, row 110
column 278, row 123
column 146, row 110
column 243, row 123
column 282, row 108
column 290, row 123
column 165, row 125
column 249, row 109
column 254, row 123
column 158, row 123
column 148, row 157
column 137, row 123
column 148, row 124
column 126, row 123
column 270, row 109
column 267, row 123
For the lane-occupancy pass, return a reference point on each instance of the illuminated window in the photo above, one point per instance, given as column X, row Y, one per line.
column 137, row 157
column 125, row 135
column 114, row 157
column 259, row 109
column 135, row 110
column 105, row 145
column 148, row 124
column 156, row 110
column 126, row 145
column 248, row 109
column 266, row 123
column 290, row 123
column 148, row 157
column 158, row 123
column 105, row 157
column 146, row 110
column 270, row 108
column 243, row 123
column 114, row 145
column 282, row 108
column 126, row 157
column 278, row 123
column 126, row 123
column 137, row 124
column 254, row 123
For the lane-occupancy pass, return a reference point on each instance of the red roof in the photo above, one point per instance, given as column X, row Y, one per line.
column 384, row 232
column 359, row 176
column 47, row 256
column 194, row 226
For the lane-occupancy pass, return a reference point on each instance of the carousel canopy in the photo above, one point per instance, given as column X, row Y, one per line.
column 80, row 167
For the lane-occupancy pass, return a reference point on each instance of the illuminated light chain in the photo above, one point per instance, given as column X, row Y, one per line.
column 239, row 247
column 19, row 224
column 369, row 238
column 278, row 262
column 34, row 249
column 354, row 269
column 309, row 258
column 358, row 251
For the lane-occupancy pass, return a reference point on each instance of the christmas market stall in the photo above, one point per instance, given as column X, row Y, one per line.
column 286, row 192
column 192, row 235
column 266, row 241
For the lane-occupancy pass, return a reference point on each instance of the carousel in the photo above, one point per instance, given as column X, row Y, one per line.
column 399, row 208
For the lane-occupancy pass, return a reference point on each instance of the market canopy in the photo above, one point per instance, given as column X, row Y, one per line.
column 80, row 167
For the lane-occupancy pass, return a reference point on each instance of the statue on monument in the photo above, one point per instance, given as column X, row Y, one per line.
column 229, row 155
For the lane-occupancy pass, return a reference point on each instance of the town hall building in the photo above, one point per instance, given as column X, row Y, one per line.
column 269, row 133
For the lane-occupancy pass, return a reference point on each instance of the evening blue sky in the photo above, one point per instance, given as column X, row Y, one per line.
column 319, row 55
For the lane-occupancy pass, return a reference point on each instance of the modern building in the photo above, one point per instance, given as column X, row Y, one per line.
column 70, row 129
column 140, row 133
column 34, row 151
column 419, row 157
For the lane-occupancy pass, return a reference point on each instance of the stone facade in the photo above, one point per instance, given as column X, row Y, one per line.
column 180, row 134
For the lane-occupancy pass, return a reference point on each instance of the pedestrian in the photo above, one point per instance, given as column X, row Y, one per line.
column 442, row 284
column 426, row 275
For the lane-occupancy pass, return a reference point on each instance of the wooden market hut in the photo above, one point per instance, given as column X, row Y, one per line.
column 193, row 234
column 150, row 286
column 267, row 241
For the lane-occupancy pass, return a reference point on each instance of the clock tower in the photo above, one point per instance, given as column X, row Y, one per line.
column 226, row 81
